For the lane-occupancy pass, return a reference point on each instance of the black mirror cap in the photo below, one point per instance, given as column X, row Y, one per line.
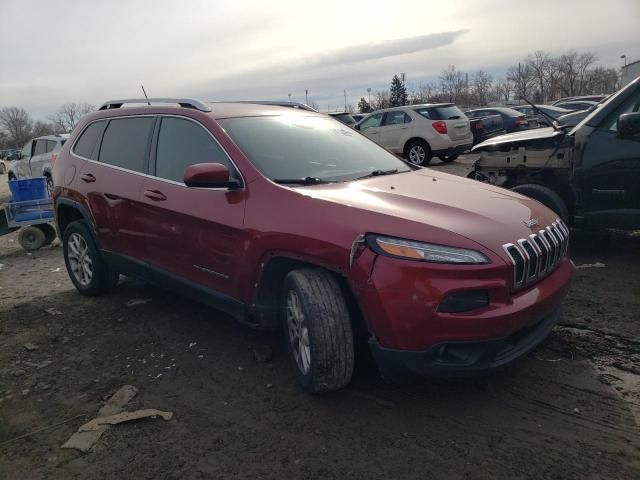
column 628, row 124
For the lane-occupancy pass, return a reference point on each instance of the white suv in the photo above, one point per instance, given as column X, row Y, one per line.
column 37, row 157
column 420, row 132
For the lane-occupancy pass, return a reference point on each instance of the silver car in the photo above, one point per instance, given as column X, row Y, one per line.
column 36, row 157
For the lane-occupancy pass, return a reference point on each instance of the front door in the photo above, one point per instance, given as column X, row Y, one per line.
column 610, row 174
column 393, row 133
column 194, row 234
column 372, row 127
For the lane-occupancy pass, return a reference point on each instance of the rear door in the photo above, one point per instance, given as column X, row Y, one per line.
column 112, row 185
column 21, row 166
column 41, row 159
column 393, row 133
column 39, row 152
column 195, row 234
column 610, row 173
column 371, row 127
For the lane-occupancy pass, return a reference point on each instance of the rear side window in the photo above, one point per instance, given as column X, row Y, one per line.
column 125, row 143
column 41, row 147
column 182, row 143
column 86, row 143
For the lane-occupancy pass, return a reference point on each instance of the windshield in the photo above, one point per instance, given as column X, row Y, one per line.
column 300, row 146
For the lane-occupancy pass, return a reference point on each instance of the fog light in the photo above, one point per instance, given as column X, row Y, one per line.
column 464, row 301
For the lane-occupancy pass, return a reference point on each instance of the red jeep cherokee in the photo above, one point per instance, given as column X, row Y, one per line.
column 283, row 216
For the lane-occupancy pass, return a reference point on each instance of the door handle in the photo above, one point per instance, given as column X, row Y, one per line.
column 88, row 177
column 617, row 193
column 155, row 195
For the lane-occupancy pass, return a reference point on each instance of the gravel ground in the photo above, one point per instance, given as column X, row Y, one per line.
column 571, row 410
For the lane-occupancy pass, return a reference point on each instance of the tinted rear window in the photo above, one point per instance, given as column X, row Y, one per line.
column 125, row 142
column 86, row 143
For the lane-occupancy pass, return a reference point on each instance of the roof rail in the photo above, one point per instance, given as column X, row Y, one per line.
column 301, row 106
column 183, row 102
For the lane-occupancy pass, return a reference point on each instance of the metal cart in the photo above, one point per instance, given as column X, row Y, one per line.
column 33, row 218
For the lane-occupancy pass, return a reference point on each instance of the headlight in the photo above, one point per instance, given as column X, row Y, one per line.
column 426, row 252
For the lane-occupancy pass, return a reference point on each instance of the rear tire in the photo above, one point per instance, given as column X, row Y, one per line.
column 545, row 196
column 417, row 152
column 31, row 238
column 87, row 270
column 448, row 158
column 317, row 329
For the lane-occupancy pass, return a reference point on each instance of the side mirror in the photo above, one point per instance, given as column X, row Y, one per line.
column 356, row 127
column 628, row 124
column 209, row 175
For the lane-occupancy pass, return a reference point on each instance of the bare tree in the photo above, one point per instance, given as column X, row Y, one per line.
column 69, row 114
column 42, row 128
column 453, row 83
column 503, row 90
column 522, row 80
column 481, row 84
column 573, row 71
column 424, row 93
column 380, row 100
column 17, row 125
column 602, row 80
column 540, row 65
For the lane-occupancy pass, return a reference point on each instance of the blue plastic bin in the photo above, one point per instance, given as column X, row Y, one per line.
column 28, row 189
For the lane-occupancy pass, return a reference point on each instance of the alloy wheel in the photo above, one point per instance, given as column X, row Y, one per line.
column 417, row 155
column 298, row 332
column 79, row 259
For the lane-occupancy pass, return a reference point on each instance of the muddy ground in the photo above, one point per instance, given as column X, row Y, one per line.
column 571, row 410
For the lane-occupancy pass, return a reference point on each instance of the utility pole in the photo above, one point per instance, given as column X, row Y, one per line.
column 625, row 59
column 369, row 92
column 306, row 96
column 289, row 97
column 345, row 100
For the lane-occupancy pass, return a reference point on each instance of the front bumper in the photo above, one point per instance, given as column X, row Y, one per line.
column 466, row 358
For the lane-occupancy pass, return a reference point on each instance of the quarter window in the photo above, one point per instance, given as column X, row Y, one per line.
column 182, row 143
column 86, row 143
column 51, row 144
column 125, row 143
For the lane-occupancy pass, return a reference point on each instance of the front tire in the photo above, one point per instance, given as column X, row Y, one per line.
column 87, row 270
column 545, row 196
column 417, row 152
column 317, row 330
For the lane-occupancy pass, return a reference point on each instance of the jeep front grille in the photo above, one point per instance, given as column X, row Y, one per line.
column 539, row 254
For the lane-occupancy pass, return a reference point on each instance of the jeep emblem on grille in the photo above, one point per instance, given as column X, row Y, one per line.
column 532, row 222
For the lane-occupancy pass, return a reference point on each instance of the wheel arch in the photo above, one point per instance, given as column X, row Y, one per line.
column 413, row 139
column 267, row 290
column 68, row 211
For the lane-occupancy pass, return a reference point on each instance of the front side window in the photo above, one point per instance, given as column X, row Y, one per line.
column 397, row 118
column 299, row 146
column 372, row 121
column 125, row 143
column 630, row 106
column 85, row 145
column 41, row 147
column 182, row 143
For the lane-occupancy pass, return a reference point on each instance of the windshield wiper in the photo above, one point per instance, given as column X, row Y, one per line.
column 300, row 181
column 554, row 123
column 378, row 173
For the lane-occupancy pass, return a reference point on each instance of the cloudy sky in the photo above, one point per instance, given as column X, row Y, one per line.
column 55, row 51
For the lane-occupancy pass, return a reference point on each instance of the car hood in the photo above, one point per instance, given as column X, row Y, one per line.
column 436, row 201
column 526, row 135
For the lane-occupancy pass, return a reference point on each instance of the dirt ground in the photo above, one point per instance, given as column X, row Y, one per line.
column 571, row 410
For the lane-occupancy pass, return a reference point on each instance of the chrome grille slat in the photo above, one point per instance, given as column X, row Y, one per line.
column 539, row 254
